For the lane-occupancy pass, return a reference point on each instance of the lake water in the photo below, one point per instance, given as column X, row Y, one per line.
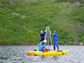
column 16, row 54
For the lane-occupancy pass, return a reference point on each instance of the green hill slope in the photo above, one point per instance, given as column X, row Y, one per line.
column 78, row 16
column 21, row 22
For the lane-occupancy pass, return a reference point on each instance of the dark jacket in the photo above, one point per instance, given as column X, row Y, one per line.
column 42, row 36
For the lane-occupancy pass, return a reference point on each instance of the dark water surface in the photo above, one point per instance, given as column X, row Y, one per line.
column 16, row 54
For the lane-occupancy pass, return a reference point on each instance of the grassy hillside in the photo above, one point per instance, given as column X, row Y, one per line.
column 78, row 16
column 21, row 22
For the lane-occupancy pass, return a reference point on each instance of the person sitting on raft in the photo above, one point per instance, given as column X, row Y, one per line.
column 55, row 40
column 42, row 35
column 42, row 46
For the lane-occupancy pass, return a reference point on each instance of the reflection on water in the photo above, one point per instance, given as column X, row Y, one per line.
column 45, row 59
column 16, row 54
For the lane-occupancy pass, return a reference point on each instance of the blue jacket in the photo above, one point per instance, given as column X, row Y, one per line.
column 55, row 39
column 41, row 46
column 42, row 35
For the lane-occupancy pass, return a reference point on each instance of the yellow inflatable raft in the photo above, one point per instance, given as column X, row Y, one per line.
column 47, row 53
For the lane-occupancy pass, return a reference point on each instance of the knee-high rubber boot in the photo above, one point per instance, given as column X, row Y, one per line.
column 54, row 48
column 57, row 47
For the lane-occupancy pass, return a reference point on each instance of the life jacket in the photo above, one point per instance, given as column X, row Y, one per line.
column 41, row 46
column 44, row 49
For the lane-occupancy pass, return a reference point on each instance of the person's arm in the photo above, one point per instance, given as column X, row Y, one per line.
column 52, row 34
column 44, row 32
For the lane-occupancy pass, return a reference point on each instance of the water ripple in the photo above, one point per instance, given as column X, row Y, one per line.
column 16, row 54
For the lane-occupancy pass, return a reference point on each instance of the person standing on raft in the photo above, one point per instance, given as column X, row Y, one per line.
column 55, row 40
column 42, row 35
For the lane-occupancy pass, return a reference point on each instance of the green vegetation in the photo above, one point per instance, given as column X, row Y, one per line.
column 21, row 22
column 78, row 16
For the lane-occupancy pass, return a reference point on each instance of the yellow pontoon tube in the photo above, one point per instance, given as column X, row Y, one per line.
column 47, row 53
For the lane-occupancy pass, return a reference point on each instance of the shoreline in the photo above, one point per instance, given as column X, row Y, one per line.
column 26, row 43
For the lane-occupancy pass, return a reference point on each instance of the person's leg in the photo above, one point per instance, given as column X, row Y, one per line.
column 41, row 39
column 54, row 48
column 57, row 47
